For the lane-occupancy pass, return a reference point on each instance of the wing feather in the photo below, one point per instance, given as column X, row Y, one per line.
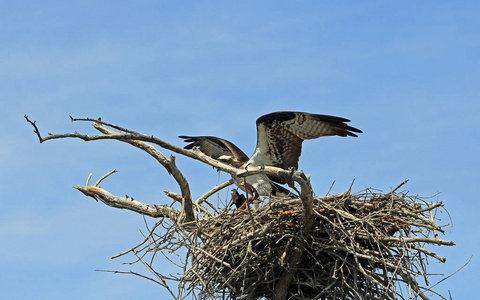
column 217, row 148
column 280, row 134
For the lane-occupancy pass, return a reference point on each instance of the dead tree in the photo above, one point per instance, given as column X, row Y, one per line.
column 365, row 245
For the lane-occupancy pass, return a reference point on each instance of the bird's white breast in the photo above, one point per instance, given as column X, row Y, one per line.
column 261, row 156
column 260, row 183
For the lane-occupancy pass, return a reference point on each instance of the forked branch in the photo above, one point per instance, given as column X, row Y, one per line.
column 155, row 211
column 146, row 143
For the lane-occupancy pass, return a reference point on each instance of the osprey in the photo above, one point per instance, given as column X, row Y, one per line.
column 238, row 199
column 279, row 144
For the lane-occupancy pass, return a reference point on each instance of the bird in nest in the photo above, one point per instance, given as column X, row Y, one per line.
column 279, row 144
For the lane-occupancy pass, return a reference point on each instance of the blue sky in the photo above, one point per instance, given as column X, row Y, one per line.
column 405, row 73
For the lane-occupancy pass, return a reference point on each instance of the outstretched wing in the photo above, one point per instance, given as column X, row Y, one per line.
column 217, row 148
column 280, row 135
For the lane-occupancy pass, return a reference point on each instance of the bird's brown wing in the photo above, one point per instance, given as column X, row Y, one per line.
column 216, row 147
column 280, row 134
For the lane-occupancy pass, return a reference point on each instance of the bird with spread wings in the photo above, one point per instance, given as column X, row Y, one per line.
column 279, row 144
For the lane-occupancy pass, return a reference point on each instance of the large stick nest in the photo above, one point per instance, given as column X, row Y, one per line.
column 367, row 245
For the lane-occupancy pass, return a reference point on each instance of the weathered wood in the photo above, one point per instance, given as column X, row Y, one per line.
column 155, row 211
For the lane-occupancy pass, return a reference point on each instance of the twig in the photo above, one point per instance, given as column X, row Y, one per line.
column 101, row 178
column 37, row 132
column 214, row 190
column 399, row 186
column 443, row 279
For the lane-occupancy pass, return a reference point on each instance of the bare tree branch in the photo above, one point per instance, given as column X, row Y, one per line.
column 133, row 136
column 168, row 164
column 214, row 190
column 142, row 141
column 155, row 211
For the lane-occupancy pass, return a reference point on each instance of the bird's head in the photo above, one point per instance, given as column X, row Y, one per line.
column 235, row 195
column 237, row 198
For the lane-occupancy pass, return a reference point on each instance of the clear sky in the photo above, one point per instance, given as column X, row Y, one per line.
column 406, row 73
